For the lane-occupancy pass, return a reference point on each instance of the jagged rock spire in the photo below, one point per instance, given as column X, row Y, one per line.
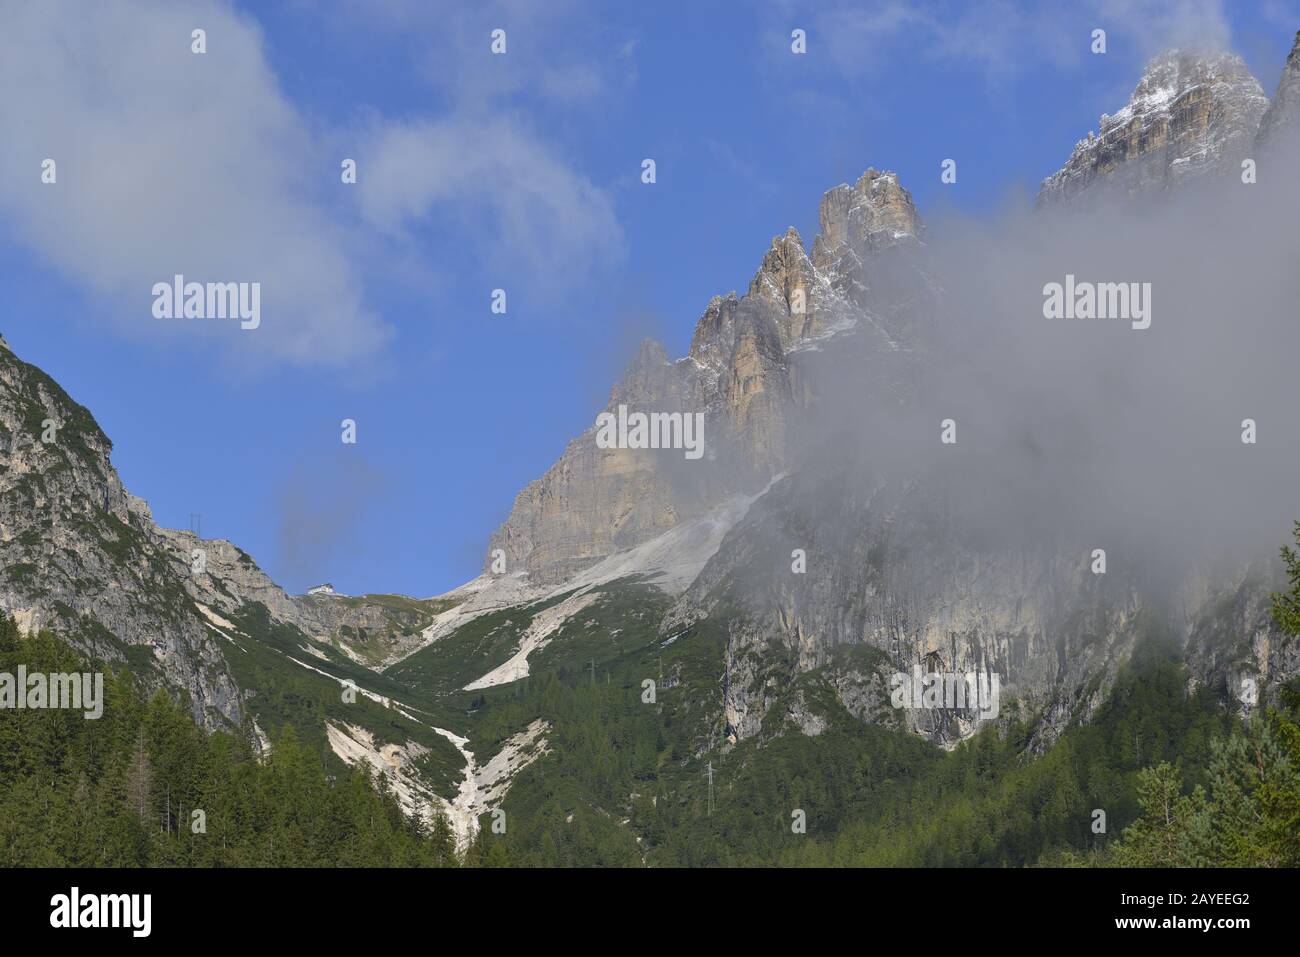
column 1283, row 111
column 874, row 213
column 1190, row 114
column 593, row 502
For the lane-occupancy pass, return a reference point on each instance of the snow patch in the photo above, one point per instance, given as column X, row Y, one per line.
column 354, row 744
column 216, row 619
column 483, row 788
column 671, row 561
column 674, row 559
column 535, row 637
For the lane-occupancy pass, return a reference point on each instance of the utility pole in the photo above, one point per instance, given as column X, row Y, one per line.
column 710, row 770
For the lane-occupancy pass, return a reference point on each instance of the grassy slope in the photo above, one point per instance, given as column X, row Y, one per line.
column 627, row 782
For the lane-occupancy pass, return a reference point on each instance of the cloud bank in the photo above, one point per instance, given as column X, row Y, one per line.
column 174, row 162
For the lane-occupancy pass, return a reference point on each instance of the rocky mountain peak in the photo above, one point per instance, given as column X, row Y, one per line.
column 81, row 554
column 650, row 353
column 874, row 213
column 741, row 372
column 649, row 376
column 786, row 281
column 1190, row 114
column 714, row 332
column 1282, row 112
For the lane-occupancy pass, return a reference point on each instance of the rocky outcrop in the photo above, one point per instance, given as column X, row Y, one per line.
column 894, row 566
column 889, row 567
column 79, row 553
column 1191, row 115
column 873, row 214
column 890, row 564
column 1280, row 120
column 743, row 373
column 1234, row 647
column 594, row 501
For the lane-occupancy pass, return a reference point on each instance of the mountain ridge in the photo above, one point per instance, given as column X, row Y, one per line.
column 690, row 551
column 1191, row 114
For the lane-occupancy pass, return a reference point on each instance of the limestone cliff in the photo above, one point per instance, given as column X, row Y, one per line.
column 1280, row 120
column 80, row 553
column 1191, row 115
column 743, row 372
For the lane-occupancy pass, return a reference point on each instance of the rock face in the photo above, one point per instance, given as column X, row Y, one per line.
column 874, row 213
column 743, row 372
column 1280, row 120
column 890, row 563
column 80, row 553
column 779, row 375
column 1190, row 115
column 892, row 566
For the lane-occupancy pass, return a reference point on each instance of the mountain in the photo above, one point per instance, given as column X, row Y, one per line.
column 83, row 554
column 84, row 558
column 745, row 372
column 892, row 567
column 659, row 614
column 1190, row 115
column 1279, row 120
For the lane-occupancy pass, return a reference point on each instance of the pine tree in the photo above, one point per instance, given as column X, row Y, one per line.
column 9, row 634
column 139, row 781
column 1286, row 605
column 1169, row 831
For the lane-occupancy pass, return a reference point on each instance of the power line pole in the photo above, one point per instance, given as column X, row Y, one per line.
column 710, row 770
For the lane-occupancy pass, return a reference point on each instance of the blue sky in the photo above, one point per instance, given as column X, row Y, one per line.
column 475, row 172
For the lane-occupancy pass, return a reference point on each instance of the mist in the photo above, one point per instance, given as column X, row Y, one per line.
column 322, row 505
column 1089, row 433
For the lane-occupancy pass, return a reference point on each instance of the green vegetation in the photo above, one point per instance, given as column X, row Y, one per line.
column 1246, row 815
column 456, row 660
column 397, row 615
column 627, row 783
column 286, row 693
column 144, row 786
column 631, row 778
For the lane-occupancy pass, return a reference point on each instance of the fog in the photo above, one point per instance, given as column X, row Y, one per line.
column 1087, row 432
column 322, row 504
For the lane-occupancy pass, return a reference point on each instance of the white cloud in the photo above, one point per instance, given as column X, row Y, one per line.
column 481, row 169
column 1158, row 25
column 173, row 162
column 1000, row 38
column 559, row 52
column 510, row 193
